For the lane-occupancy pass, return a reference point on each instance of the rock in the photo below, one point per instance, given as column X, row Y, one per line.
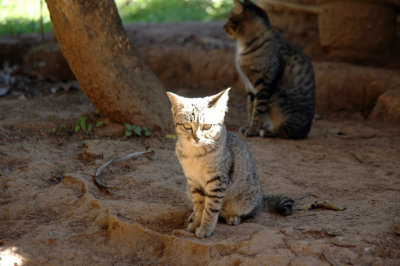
column 387, row 107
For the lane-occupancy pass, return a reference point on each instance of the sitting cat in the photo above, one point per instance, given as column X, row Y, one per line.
column 278, row 76
column 220, row 170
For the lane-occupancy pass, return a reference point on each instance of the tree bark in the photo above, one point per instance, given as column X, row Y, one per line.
column 110, row 71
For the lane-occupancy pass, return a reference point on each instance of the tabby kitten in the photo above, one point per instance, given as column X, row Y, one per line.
column 220, row 170
column 278, row 76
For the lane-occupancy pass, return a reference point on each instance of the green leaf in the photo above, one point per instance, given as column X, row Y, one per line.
column 146, row 132
column 77, row 128
column 99, row 124
column 81, row 121
column 128, row 133
column 171, row 136
column 90, row 127
column 128, row 126
column 137, row 130
column 62, row 127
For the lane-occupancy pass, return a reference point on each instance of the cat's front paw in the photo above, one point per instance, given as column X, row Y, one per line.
column 202, row 233
column 192, row 227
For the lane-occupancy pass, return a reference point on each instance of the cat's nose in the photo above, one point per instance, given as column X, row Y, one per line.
column 196, row 138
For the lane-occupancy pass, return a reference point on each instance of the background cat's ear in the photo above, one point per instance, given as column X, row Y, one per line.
column 238, row 6
column 176, row 100
column 220, row 100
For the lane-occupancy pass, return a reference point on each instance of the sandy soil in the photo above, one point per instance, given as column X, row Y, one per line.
column 51, row 212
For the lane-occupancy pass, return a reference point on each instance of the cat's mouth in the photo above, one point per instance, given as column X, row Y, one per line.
column 197, row 143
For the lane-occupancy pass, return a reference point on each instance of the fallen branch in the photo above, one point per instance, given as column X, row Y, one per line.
column 323, row 205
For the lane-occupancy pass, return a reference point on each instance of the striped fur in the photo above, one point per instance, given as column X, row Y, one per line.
column 220, row 170
column 278, row 76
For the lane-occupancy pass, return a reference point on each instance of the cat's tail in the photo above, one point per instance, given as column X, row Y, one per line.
column 279, row 203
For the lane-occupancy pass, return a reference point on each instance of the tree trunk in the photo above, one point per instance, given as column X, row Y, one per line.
column 110, row 71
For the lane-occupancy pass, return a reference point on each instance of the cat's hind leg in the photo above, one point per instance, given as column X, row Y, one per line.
column 233, row 220
column 233, row 211
column 273, row 124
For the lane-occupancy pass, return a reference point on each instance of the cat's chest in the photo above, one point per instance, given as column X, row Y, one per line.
column 247, row 83
column 196, row 169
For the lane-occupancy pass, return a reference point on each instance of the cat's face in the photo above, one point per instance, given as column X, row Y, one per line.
column 244, row 19
column 199, row 121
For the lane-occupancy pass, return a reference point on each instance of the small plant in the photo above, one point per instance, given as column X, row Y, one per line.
column 81, row 125
column 100, row 124
column 136, row 130
column 62, row 127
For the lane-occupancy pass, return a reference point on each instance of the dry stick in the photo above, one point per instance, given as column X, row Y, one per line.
column 356, row 157
column 100, row 185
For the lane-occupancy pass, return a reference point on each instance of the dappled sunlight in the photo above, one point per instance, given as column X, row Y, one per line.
column 27, row 9
column 10, row 256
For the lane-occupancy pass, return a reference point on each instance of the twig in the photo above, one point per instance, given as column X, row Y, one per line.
column 282, row 231
column 356, row 157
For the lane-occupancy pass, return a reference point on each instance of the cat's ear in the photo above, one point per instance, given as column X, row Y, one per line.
column 176, row 100
column 220, row 100
column 238, row 6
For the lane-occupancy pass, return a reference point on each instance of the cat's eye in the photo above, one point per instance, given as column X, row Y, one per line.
column 206, row 126
column 187, row 126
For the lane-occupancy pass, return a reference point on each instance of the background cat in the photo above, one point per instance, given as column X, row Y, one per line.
column 220, row 170
column 278, row 76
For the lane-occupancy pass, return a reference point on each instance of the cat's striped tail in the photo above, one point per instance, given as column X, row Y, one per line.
column 279, row 203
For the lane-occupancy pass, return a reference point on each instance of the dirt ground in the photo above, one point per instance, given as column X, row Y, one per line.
column 52, row 213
